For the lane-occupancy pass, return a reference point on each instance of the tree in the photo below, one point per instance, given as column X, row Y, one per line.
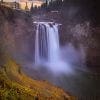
column 26, row 7
column 46, row 2
column 32, row 8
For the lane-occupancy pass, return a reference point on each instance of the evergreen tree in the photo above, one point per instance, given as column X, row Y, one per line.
column 46, row 3
column 26, row 7
column 32, row 8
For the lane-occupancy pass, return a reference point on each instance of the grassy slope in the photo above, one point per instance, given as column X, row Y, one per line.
column 15, row 85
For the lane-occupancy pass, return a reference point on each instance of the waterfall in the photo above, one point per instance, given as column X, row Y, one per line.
column 47, row 50
column 46, row 43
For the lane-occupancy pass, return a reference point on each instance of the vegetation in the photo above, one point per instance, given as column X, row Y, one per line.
column 15, row 85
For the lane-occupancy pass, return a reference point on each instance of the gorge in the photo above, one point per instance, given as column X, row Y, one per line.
column 66, row 54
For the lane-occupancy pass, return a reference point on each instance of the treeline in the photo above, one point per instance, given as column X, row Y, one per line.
column 48, row 6
column 61, row 4
column 87, row 8
column 52, row 5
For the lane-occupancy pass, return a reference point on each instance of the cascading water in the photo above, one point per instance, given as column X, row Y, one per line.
column 47, row 50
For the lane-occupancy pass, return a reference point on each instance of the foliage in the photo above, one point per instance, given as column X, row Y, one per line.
column 15, row 85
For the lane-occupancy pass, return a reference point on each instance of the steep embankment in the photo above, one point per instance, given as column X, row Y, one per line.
column 15, row 85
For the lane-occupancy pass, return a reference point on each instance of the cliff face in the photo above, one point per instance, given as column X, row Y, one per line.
column 80, row 26
column 16, row 32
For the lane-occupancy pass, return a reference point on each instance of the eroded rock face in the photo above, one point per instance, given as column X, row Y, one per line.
column 93, row 52
column 17, row 33
column 81, row 25
column 88, row 37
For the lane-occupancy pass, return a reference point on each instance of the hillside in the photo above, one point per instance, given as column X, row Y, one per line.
column 15, row 85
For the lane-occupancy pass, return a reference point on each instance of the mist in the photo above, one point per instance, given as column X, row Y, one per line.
column 61, row 59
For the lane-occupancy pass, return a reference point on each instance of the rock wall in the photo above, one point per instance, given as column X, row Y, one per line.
column 16, row 33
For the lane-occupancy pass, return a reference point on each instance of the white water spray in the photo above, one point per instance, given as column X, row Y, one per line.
column 47, row 49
